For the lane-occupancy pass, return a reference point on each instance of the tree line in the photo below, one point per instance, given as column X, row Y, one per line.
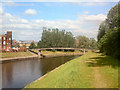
column 56, row 38
column 109, row 33
column 62, row 38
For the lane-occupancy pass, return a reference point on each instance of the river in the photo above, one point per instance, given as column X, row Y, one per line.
column 20, row 73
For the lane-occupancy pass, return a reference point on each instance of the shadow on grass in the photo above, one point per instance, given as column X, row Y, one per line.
column 103, row 61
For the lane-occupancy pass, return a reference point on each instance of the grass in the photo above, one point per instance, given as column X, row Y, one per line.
column 23, row 54
column 49, row 53
column 15, row 54
column 92, row 70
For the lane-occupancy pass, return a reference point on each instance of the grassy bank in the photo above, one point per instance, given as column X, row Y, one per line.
column 15, row 54
column 92, row 70
column 59, row 53
column 46, row 53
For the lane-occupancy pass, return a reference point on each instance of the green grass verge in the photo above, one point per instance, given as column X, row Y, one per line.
column 15, row 54
column 49, row 53
column 87, row 71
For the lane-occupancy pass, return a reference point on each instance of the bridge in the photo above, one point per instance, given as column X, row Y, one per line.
column 58, row 49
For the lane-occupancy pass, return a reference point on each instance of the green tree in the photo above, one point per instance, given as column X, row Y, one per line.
column 56, row 38
column 112, row 21
column 93, row 44
column 109, row 42
column 82, row 42
column 32, row 45
column 102, row 29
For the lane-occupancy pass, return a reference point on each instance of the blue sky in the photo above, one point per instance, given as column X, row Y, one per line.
column 57, row 10
column 26, row 19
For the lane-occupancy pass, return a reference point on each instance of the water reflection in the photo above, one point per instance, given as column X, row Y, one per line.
column 19, row 74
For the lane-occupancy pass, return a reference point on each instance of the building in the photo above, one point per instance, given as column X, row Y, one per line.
column 6, row 41
column 26, row 43
column 15, row 43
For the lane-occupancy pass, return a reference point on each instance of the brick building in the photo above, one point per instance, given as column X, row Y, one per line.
column 6, row 41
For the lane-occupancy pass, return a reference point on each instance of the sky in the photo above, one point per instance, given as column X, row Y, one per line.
column 26, row 19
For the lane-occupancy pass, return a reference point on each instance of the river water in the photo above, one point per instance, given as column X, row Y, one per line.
column 20, row 73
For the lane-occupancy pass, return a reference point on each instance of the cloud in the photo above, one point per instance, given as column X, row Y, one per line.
column 1, row 10
column 86, row 12
column 32, row 29
column 96, row 18
column 60, row 0
column 30, row 12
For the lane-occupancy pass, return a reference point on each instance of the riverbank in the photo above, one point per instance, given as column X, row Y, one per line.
column 60, row 53
column 14, row 56
column 92, row 70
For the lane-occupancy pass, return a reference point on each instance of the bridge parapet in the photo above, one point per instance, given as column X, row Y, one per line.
column 58, row 48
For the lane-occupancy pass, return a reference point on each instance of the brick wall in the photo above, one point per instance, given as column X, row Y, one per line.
column 6, row 41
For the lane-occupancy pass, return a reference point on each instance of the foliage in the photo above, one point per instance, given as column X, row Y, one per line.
column 109, row 32
column 84, row 42
column 102, row 29
column 112, row 21
column 109, row 43
column 32, row 45
column 93, row 44
column 56, row 38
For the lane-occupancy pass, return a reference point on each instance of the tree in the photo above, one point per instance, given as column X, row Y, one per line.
column 56, row 38
column 112, row 21
column 93, row 44
column 32, row 45
column 82, row 42
column 102, row 29
column 109, row 42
